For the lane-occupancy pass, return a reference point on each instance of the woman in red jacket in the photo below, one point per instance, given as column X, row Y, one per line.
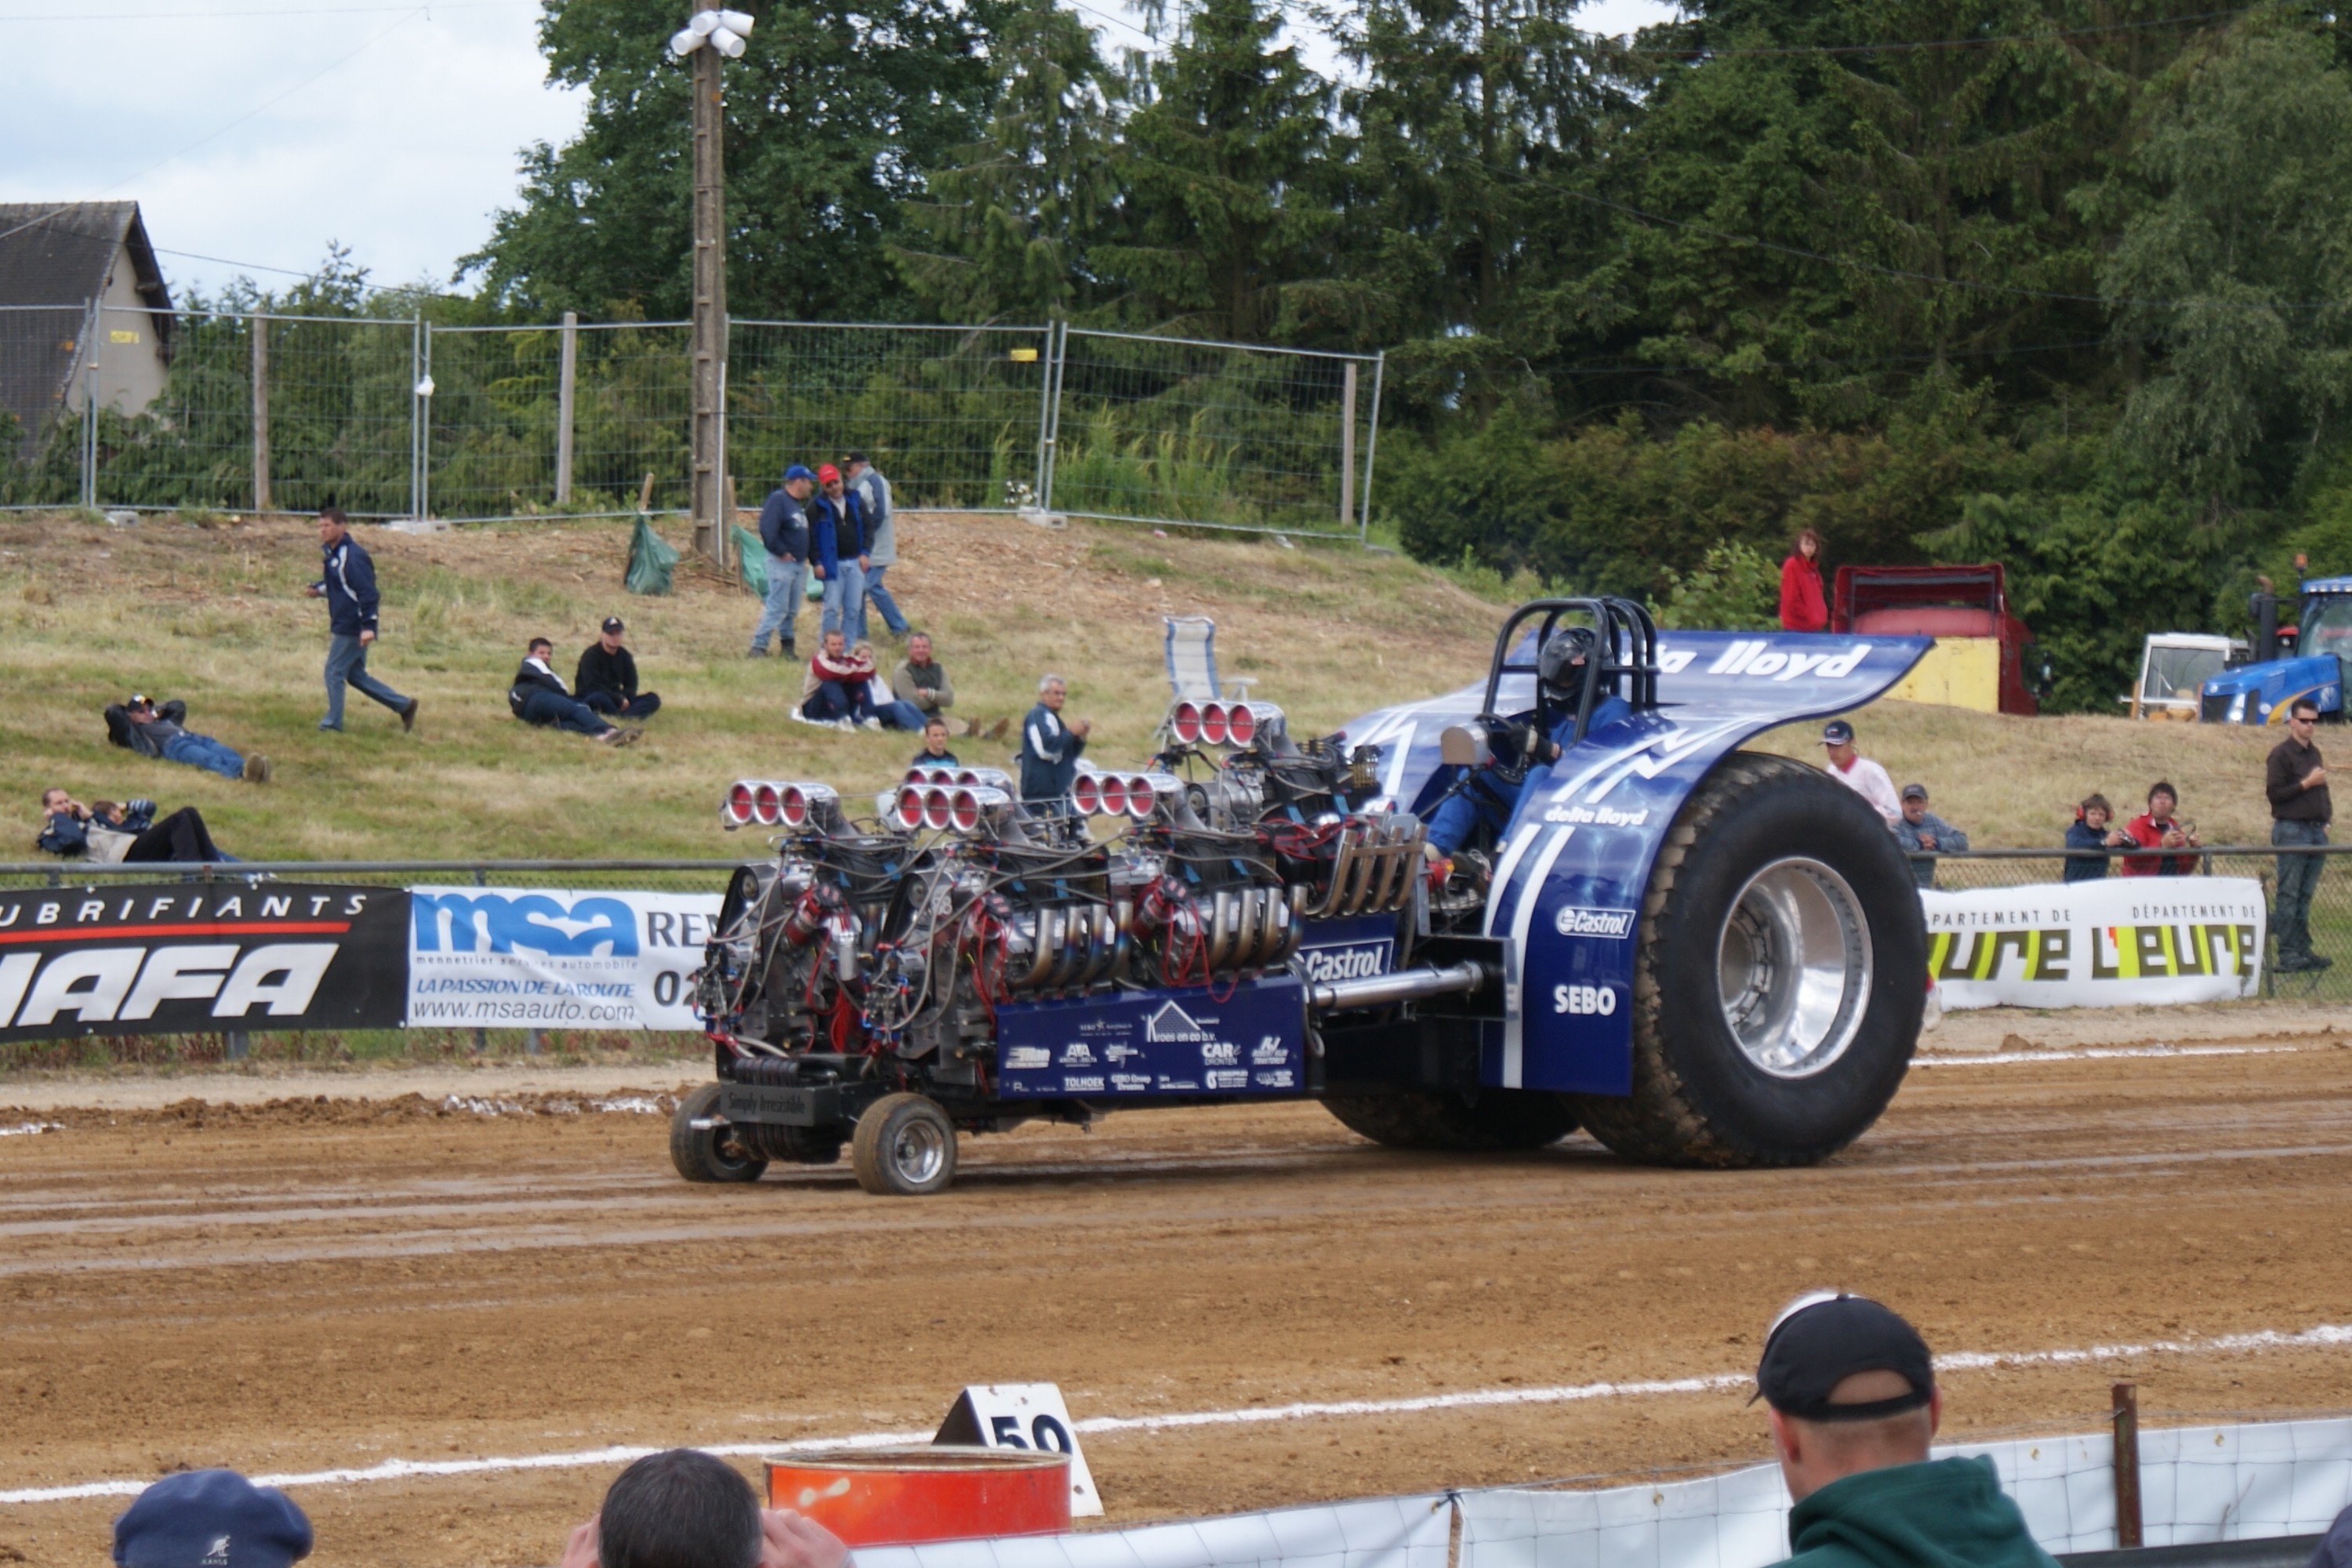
column 1802, row 608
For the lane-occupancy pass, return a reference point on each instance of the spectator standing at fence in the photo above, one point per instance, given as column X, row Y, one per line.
column 1802, row 606
column 139, row 726
column 1854, row 1406
column 607, row 679
column 2159, row 828
column 2295, row 779
column 837, row 551
column 784, row 534
column 1858, row 772
column 211, row 1519
column 2089, row 839
column 538, row 697
column 1048, row 755
column 348, row 585
column 685, row 1508
column 1921, row 831
column 873, row 493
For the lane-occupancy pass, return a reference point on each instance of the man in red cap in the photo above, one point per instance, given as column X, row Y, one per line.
column 837, row 551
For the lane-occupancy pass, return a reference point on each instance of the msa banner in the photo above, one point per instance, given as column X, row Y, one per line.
column 200, row 958
column 527, row 958
column 2108, row 943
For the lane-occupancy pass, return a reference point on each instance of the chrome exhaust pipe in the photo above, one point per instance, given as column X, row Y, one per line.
column 1404, row 986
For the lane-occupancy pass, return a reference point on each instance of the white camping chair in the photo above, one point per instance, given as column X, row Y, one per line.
column 1192, row 663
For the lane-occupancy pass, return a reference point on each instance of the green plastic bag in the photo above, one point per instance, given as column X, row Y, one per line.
column 752, row 561
column 651, row 559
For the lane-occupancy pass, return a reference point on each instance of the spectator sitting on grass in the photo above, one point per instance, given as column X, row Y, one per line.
column 539, row 697
column 935, row 752
column 839, row 688
column 210, row 1518
column 1921, row 830
column 139, row 726
column 110, row 833
column 2157, row 828
column 607, row 679
column 1854, row 1406
column 684, row 1509
column 2089, row 837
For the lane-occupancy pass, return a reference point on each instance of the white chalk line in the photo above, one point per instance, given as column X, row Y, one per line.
column 2324, row 1336
column 2094, row 1054
column 29, row 1127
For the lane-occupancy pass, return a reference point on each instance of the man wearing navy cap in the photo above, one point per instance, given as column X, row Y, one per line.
column 210, row 1518
column 784, row 530
column 1855, row 1407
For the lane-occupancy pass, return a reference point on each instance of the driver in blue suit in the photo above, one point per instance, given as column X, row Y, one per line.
column 1480, row 808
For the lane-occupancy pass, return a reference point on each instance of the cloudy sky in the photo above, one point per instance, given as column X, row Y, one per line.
column 253, row 132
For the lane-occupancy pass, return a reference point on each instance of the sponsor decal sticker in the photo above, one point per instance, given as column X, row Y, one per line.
column 1573, row 920
column 1025, row 1056
column 1228, row 1079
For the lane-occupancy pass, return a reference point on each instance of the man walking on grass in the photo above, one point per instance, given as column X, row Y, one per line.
column 2295, row 779
column 348, row 585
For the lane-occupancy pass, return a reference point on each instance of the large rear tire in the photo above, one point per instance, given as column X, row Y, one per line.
column 1451, row 1120
column 709, row 1154
column 905, row 1147
column 1779, row 978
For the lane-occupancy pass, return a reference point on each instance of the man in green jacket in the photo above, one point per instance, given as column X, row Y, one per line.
column 1854, row 1406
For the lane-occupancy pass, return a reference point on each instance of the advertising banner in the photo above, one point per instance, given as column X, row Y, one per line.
column 200, row 958
column 2114, row 943
column 531, row 958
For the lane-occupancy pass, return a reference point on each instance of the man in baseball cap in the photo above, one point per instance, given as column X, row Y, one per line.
column 1858, row 772
column 210, row 1518
column 1853, row 1408
column 606, row 679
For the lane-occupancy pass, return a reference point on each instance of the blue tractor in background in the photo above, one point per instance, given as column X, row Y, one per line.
column 2291, row 661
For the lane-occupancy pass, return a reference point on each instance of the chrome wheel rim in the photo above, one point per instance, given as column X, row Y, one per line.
column 918, row 1153
column 1793, row 968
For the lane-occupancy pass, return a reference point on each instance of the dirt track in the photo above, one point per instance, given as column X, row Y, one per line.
column 310, row 1285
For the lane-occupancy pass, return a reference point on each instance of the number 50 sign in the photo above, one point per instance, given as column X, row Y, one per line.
column 1022, row 1416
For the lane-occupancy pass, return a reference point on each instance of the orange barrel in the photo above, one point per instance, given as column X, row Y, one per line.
column 931, row 1491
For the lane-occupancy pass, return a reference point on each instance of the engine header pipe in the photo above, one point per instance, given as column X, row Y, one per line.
column 1404, row 986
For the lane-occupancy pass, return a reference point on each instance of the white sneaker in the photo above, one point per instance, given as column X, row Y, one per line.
column 869, row 724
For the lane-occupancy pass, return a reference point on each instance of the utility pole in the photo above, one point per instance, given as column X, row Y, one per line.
column 707, row 41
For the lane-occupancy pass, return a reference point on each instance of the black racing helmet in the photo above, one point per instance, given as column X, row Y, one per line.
column 1558, row 666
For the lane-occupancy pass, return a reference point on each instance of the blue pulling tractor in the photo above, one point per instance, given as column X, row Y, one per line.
column 1701, row 955
column 2264, row 692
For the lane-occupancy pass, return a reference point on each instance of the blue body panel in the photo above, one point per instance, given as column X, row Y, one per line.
column 1571, row 867
column 1145, row 1045
column 2264, row 693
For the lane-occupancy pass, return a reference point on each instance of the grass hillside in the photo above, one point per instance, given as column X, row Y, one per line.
column 216, row 616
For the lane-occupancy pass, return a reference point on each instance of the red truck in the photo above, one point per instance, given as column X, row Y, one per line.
column 1984, row 656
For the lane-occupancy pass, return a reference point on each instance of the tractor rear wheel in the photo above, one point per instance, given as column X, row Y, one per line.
column 1779, row 977
column 1485, row 1121
column 709, row 1154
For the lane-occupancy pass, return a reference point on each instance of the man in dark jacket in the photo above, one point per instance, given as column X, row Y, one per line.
column 1050, row 748
column 348, row 585
column 935, row 752
column 1922, row 832
column 607, row 679
column 138, row 725
column 1853, row 1409
column 111, row 832
column 784, row 532
column 2089, row 837
column 2295, row 779
column 539, row 697
column 837, row 550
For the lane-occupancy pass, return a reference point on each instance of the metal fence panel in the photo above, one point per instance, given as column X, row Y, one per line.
column 42, row 351
column 1215, row 435
column 951, row 415
column 341, row 414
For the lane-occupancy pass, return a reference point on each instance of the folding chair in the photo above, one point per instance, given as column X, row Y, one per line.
column 1191, row 646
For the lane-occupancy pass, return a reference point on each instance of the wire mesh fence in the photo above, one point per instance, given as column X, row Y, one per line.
column 953, row 415
column 2331, row 899
column 43, row 355
column 1218, row 435
column 217, row 410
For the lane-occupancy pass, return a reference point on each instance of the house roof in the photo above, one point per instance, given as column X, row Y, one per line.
column 59, row 254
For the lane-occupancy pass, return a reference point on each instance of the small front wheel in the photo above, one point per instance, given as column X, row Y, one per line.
column 905, row 1147
column 709, row 1154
